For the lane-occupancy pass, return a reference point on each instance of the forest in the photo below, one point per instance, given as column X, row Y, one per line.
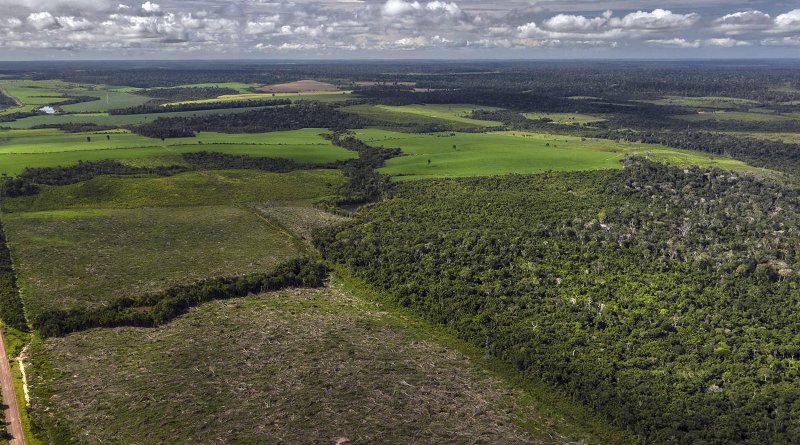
column 663, row 298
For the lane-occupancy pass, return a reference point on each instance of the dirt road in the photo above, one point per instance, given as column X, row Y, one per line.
column 13, row 421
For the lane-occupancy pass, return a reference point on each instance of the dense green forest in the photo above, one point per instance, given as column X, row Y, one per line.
column 665, row 298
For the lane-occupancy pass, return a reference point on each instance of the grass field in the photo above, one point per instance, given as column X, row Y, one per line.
column 789, row 138
column 185, row 189
column 49, row 148
column 87, row 258
column 95, row 241
column 480, row 154
column 32, row 94
column 566, row 118
column 107, row 99
column 109, row 120
column 743, row 116
column 295, row 366
column 319, row 96
column 718, row 102
column 453, row 113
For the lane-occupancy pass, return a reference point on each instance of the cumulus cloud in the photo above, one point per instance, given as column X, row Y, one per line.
column 259, row 26
column 42, row 20
column 726, row 42
column 675, row 43
column 635, row 25
column 150, row 7
column 789, row 22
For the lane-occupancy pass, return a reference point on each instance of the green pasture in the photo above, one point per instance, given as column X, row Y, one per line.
column 88, row 258
column 107, row 99
column 33, row 94
column 459, row 113
column 111, row 120
column 740, row 116
column 319, row 96
column 496, row 153
column 719, row 102
column 789, row 138
column 50, row 148
column 199, row 188
column 566, row 118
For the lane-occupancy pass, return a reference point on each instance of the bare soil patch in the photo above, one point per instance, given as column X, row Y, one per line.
column 300, row 86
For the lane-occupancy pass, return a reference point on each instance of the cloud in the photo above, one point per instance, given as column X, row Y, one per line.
column 42, row 20
column 726, row 42
column 150, row 7
column 784, row 41
column 675, row 43
column 322, row 27
column 69, row 23
column 789, row 22
column 658, row 19
column 393, row 8
column 636, row 25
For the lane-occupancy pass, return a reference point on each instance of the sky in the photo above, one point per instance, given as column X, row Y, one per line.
column 397, row 29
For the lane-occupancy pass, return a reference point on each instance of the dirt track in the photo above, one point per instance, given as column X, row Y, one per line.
column 13, row 421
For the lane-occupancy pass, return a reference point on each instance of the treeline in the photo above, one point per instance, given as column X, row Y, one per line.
column 158, row 308
column 149, row 108
column 73, row 127
column 204, row 160
column 186, row 94
column 364, row 183
column 11, row 310
column 303, row 115
column 665, row 298
column 27, row 183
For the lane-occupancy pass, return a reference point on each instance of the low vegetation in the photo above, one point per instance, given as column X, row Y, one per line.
column 469, row 154
column 301, row 365
column 82, row 258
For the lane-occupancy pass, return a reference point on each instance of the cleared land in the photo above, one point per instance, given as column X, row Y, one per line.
column 495, row 153
column 111, row 120
column 743, row 116
column 453, row 113
column 50, row 148
column 719, row 102
column 296, row 366
column 32, row 94
column 88, row 258
column 107, row 238
column 566, row 118
column 318, row 96
column 789, row 138
column 300, row 86
column 185, row 189
column 107, row 99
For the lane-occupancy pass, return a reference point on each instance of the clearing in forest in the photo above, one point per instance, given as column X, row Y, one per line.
column 437, row 155
column 300, row 86
column 50, row 148
column 293, row 366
